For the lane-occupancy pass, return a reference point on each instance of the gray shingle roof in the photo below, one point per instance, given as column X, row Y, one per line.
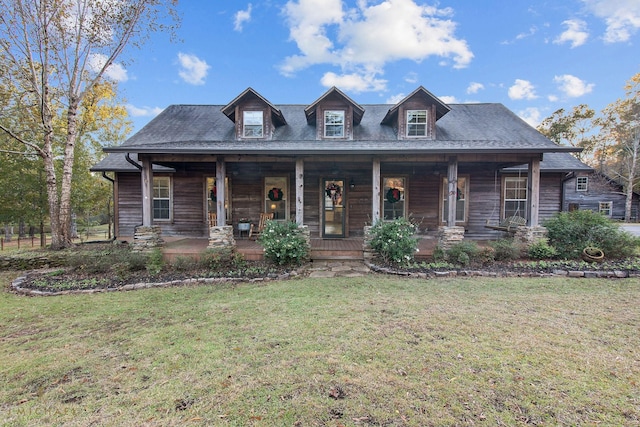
column 204, row 129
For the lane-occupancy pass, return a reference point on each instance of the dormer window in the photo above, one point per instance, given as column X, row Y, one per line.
column 252, row 124
column 334, row 124
column 416, row 122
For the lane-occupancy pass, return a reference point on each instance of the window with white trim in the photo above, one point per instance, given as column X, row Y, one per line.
column 582, row 183
column 393, row 198
column 605, row 208
column 515, row 197
column 252, row 124
column 461, row 199
column 416, row 122
column 161, row 198
column 334, row 124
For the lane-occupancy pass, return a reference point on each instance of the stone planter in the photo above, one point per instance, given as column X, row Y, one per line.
column 592, row 254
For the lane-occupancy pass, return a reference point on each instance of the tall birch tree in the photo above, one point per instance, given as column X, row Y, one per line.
column 55, row 52
column 621, row 129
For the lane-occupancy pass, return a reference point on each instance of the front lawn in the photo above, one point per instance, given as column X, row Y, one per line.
column 370, row 351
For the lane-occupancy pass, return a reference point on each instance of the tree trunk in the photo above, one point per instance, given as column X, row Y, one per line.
column 635, row 147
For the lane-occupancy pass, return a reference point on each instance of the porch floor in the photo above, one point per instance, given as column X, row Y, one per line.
column 321, row 249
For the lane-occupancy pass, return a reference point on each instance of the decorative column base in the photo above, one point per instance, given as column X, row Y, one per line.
column 449, row 236
column 221, row 238
column 530, row 235
column 367, row 251
column 146, row 239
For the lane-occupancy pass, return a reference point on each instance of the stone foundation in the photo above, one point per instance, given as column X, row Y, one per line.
column 221, row 238
column 449, row 236
column 367, row 252
column 530, row 235
column 146, row 239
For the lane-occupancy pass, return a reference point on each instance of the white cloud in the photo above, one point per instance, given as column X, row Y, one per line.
column 448, row 99
column 572, row 86
column 522, row 89
column 353, row 82
column 143, row 111
column 411, row 77
column 552, row 98
column 115, row 71
column 193, row 69
column 575, row 33
column 530, row 115
column 474, row 87
column 370, row 35
column 394, row 99
column 621, row 16
column 241, row 17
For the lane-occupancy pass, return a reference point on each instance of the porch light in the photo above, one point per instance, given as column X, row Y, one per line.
column 352, row 184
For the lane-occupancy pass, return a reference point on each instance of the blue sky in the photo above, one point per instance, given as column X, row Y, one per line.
column 532, row 56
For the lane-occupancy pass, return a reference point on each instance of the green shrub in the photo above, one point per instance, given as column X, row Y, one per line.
column 284, row 243
column 155, row 262
column 541, row 249
column 506, row 250
column 394, row 241
column 571, row 232
column 216, row 259
column 465, row 253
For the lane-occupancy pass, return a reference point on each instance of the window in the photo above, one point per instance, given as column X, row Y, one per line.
column 275, row 194
column 582, row 183
column 161, row 198
column 394, row 201
column 605, row 208
column 416, row 122
column 461, row 199
column 334, row 124
column 252, row 124
column 515, row 197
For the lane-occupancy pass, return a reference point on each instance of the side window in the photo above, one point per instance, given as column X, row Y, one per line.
column 605, row 208
column 416, row 122
column 161, row 198
column 275, row 193
column 461, row 199
column 394, row 198
column 514, row 197
column 252, row 124
column 334, row 124
column 582, row 183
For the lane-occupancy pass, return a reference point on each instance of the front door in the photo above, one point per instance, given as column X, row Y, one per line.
column 333, row 208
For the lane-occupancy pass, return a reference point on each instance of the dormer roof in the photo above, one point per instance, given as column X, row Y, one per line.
column 429, row 99
column 229, row 110
column 333, row 93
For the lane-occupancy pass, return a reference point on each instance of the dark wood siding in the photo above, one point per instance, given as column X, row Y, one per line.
column 599, row 189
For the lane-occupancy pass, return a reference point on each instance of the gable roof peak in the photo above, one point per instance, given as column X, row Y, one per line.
column 441, row 107
column 229, row 110
column 358, row 111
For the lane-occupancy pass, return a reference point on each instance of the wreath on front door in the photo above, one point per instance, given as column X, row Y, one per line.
column 333, row 191
column 213, row 194
column 275, row 194
column 393, row 195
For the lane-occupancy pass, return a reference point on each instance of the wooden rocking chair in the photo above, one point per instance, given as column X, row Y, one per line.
column 255, row 231
column 509, row 224
column 213, row 219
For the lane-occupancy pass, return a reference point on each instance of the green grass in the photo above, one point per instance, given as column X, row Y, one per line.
column 372, row 351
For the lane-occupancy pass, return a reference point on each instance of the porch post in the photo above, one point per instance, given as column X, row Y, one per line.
column 452, row 188
column 147, row 193
column 375, row 194
column 221, row 172
column 299, row 191
column 533, row 192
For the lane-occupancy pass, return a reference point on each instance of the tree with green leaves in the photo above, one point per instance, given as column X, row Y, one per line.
column 575, row 128
column 53, row 53
column 621, row 130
